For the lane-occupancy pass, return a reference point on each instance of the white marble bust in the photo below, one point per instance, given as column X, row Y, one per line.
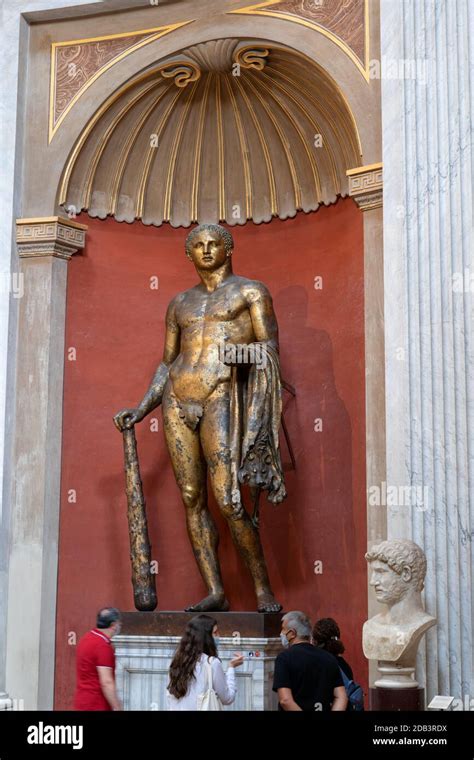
column 397, row 572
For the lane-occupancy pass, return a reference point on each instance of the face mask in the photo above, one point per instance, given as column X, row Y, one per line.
column 284, row 640
column 216, row 640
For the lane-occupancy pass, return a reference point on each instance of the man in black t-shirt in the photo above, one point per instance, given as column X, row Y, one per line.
column 306, row 678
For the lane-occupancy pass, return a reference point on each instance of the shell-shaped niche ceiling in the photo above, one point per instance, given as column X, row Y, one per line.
column 229, row 130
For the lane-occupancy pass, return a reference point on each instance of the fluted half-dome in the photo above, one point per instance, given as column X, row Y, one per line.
column 226, row 131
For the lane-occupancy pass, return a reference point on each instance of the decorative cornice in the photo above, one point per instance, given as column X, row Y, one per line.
column 49, row 236
column 366, row 186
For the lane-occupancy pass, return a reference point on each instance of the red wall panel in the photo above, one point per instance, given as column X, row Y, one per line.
column 115, row 323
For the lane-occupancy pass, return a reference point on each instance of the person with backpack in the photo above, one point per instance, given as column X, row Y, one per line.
column 197, row 678
column 306, row 678
column 327, row 636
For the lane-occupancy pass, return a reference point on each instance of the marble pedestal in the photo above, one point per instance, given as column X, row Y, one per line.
column 148, row 640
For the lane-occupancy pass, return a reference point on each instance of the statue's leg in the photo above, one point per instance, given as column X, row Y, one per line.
column 214, row 430
column 190, row 472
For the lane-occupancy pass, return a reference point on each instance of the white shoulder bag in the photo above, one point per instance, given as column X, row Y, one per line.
column 209, row 699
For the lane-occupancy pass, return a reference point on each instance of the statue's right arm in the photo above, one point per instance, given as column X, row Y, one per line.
column 127, row 418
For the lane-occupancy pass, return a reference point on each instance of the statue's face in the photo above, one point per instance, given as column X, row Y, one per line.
column 207, row 250
column 388, row 585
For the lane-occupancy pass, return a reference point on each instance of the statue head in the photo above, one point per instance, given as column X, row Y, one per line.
column 398, row 568
column 209, row 246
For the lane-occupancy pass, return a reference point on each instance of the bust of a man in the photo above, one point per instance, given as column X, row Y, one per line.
column 397, row 573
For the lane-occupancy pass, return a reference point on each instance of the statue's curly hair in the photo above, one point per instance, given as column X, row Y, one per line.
column 397, row 554
column 216, row 228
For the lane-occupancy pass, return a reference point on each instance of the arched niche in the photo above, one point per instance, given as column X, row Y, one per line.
column 226, row 130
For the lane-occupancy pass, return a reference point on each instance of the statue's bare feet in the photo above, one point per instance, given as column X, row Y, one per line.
column 211, row 603
column 266, row 602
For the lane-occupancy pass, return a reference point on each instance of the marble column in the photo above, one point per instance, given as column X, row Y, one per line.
column 44, row 248
column 365, row 186
column 427, row 114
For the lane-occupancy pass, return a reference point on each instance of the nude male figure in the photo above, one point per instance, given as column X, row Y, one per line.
column 193, row 387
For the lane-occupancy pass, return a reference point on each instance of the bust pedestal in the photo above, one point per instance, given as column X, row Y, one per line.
column 395, row 700
column 148, row 640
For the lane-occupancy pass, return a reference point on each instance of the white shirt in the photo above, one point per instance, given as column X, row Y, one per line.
column 222, row 683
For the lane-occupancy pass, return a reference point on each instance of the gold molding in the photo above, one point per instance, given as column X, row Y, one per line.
column 284, row 143
column 364, row 169
column 101, row 146
column 244, row 150
column 271, row 89
column 221, row 150
column 149, row 158
column 155, row 34
column 264, row 146
column 313, row 123
column 87, row 192
column 182, row 73
column 363, row 67
column 44, row 219
column 95, row 118
column 198, row 148
column 298, row 88
column 252, row 57
column 174, row 155
column 330, row 81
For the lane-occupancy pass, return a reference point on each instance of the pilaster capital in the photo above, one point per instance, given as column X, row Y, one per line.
column 49, row 236
column 366, row 186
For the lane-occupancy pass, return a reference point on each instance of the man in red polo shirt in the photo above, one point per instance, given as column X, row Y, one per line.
column 95, row 665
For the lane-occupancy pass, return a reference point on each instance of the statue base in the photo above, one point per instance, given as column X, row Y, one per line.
column 146, row 645
column 396, row 700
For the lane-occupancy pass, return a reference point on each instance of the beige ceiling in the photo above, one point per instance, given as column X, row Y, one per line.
column 228, row 130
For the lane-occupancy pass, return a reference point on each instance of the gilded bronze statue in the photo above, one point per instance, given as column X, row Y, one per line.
column 220, row 390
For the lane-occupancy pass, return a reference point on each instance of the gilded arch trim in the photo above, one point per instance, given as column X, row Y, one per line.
column 147, row 35
column 260, row 9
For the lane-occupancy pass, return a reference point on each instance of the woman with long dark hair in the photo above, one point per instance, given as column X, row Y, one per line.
column 189, row 671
